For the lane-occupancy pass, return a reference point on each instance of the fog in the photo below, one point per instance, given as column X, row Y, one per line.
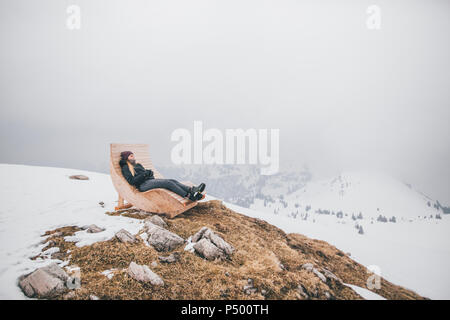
column 343, row 96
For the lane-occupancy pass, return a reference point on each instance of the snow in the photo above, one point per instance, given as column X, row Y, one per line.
column 371, row 193
column 365, row 293
column 38, row 199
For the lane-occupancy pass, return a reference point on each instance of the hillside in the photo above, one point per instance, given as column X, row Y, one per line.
column 272, row 259
column 367, row 194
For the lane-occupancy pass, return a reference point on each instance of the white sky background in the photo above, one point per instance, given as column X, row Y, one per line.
column 343, row 96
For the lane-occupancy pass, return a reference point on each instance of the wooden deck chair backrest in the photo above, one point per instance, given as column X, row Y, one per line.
column 141, row 153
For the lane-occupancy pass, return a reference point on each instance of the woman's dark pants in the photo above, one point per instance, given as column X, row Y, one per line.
column 169, row 184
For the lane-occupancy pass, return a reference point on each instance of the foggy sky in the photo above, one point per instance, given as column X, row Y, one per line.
column 344, row 97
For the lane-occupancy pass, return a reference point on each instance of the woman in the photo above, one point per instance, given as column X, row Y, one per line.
column 143, row 179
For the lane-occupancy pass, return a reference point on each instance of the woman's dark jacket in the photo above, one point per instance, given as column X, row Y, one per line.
column 140, row 173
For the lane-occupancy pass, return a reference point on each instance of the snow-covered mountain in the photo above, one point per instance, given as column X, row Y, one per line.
column 293, row 192
column 241, row 184
column 358, row 195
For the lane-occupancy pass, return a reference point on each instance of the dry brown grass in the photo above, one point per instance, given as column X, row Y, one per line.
column 264, row 253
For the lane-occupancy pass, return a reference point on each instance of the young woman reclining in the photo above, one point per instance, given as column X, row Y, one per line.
column 144, row 180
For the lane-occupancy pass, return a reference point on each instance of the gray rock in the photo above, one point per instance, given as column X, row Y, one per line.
column 125, row 237
column 308, row 266
column 218, row 242
column 46, row 282
column 208, row 250
column 93, row 297
column 196, row 237
column 206, row 233
column 56, row 271
column 162, row 239
column 320, row 275
column 144, row 274
column 154, row 264
column 94, row 229
column 329, row 275
column 157, row 220
column 173, row 257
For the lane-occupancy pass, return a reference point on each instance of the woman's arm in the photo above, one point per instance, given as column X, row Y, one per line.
column 133, row 180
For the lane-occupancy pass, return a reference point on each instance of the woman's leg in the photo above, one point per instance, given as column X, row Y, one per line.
column 168, row 184
column 181, row 185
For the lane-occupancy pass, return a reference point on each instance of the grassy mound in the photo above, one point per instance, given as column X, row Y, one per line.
column 264, row 253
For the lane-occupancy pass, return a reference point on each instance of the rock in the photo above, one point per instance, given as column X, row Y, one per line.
column 79, row 177
column 215, row 239
column 162, row 239
column 102, row 204
column 46, row 282
column 208, row 250
column 329, row 275
column 157, row 220
column 308, row 266
column 174, row 257
column 227, row 273
column 125, row 237
column 144, row 274
column 218, row 241
column 263, row 292
column 320, row 275
column 94, row 229
column 196, row 237
column 154, row 264
column 93, row 297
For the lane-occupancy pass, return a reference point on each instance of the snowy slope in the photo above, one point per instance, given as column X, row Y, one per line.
column 371, row 194
column 37, row 199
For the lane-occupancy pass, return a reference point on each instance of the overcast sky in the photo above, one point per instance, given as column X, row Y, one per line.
column 344, row 97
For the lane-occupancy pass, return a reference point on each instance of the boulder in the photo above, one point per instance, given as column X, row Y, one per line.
column 93, row 229
column 218, row 242
column 143, row 273
column 162, row 239
column 208, row 250
column 125, row 237
column 79, row 177
column 215, row 239
column 173, row 257
column 157, row 220
column 196, row 237
column 44, row 283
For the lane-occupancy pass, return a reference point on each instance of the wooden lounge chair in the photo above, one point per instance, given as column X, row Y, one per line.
column 161, row 201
